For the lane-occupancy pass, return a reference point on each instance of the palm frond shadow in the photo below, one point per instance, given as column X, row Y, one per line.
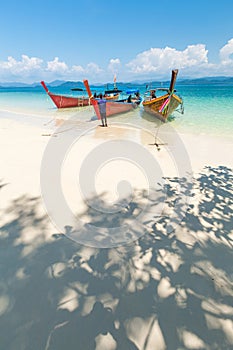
column 168, row 289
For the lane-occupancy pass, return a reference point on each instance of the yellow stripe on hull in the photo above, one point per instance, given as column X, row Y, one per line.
column 153, row 106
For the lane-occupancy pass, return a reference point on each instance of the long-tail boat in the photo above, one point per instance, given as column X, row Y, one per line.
column 111, row 107
column 112, row 94
column 163, row 106
column 62, row 101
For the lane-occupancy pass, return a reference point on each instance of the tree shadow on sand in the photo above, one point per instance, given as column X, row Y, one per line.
column 166, row 290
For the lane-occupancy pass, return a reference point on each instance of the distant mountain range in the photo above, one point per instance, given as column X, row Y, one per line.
column 190, row 81
column 55, row 83
column 219, row 80
column 207, row 80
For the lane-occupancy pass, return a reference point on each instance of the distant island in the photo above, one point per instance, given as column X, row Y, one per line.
column 218, row 80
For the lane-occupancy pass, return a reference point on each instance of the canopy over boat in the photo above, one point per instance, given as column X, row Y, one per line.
column 114, row 91
column 132, row 91
column 76, row 89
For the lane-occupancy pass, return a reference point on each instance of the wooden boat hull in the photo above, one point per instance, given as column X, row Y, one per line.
column 153, row 106
column 163, row 106
column 114, row 97
column 112, row 107
column 62, row 101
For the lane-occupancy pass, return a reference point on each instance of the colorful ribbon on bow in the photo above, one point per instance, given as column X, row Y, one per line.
column 165, row 104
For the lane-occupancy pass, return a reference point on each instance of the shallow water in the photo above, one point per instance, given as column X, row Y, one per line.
column 208, row 109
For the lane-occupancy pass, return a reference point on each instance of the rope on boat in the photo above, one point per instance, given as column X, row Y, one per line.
column 181, row 108
column 156, row 143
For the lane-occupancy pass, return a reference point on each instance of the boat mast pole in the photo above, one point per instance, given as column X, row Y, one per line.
column 44, row 86
column 85, row 82
column 173, row 80
column 114, row 79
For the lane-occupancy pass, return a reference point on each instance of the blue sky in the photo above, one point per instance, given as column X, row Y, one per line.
column 136, row 40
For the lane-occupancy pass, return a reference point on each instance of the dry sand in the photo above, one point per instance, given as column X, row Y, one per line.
column 170, row 289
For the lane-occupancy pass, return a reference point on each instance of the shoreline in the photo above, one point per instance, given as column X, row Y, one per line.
column 25, row 140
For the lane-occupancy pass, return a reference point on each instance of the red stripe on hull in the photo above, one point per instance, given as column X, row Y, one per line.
column 67, row 102
column 118, row 107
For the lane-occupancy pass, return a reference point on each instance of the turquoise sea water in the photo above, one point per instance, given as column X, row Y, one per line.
column 208, row 109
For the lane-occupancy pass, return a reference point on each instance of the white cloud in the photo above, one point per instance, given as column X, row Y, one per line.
column 57, row 66
column 163, row 60
column 78, row 69
column 150, row 64
column 25, row 66
column 114, row 65
column 93, row 68
column 226, row 51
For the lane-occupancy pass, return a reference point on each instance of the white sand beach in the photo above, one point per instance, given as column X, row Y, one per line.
column 169, row 285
